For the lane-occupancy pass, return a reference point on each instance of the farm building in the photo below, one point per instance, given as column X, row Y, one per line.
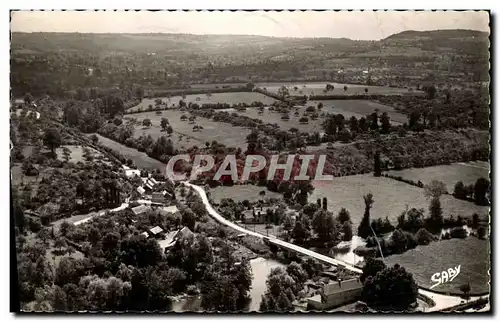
column 141, row 190
column 158, row 197
column 132, row 172
column 145, row 234
column 140, row 209
column 336, row 294
column 170, row 209
column 156, row 230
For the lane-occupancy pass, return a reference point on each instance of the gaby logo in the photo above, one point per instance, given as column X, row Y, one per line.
column 445, row 276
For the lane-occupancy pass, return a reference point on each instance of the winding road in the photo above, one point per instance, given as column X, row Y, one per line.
column 441, row 301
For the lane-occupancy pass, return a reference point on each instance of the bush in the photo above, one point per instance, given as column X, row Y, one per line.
column 458, row 232
column 424, row 237
column 481, row 232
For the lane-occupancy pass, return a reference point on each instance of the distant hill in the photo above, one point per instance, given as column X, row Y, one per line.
column 438, row 34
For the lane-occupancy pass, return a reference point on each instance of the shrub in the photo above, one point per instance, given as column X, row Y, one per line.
column 458, row 232
column 481, row 232
column 424, row 237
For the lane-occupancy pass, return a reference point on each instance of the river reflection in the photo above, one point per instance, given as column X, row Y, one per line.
column 261, row 268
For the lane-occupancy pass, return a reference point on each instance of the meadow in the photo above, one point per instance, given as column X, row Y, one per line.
column 472, row 254
column 391, row 198
column 275, row 118
column 450, row 174
column 359, row 108
column 77, row 153
column 317, row 88
column 241, row 192
column 229, row 98
column 140, row 159
column 184, row 136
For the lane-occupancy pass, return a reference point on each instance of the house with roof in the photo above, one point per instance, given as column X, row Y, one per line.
column 140, row 209
column 336, row 294
column 156, row 230
column 158, row 197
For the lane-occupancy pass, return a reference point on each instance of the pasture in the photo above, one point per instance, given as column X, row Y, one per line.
column 140, row 159
column 184, row 136
column 359, row 108
column 77, row 153
column 450, row 174
column 275, row 118
column 391, row 198
column 317, row 88
column 472, row 254
column 242, row 192
column 229, row 98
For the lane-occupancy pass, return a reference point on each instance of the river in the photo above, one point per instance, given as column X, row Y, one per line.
column 261, row 268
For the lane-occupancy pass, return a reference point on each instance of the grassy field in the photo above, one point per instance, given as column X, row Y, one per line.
column 391, row 198
column 275, row 118
column 317, row 88
column 140, row 159
column 184, row 136
column 76, row 153
column 468, row 173
column 472, row 254
column 359, row 108
column 241, row 192
column 229, row 98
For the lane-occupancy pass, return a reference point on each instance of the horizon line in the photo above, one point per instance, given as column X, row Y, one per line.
column 236, row 35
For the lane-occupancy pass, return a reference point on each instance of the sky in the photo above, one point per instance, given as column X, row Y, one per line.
column 367, row 25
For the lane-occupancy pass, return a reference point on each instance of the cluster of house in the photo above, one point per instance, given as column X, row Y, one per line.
column 258, row 214
column 153, row 196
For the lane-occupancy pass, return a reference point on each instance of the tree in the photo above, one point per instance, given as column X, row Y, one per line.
column 344, row 135
column 353, row 124
column 28, row 98
column 164, row 123
column 362, row 125
column 465, row 288
column 435, row 189
column 325, row 226
column 480, row 189
column 52, row 139
column 373, row 121
column 347, row 231
column 459, row 191
column 301, row 232
column 298, row 274
column 344, row 216
column 376, row 165
column 188, row 219
column 146, row 122
column 424, row 237
column 431, row 91
column 345, row 88
column 392, row 288
column 364, row 229
column 94, row 138
column 287, row 223
column 371, row 268
column 170, row 130
column 413, row 119
column 385, row 123
column 481, row 232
